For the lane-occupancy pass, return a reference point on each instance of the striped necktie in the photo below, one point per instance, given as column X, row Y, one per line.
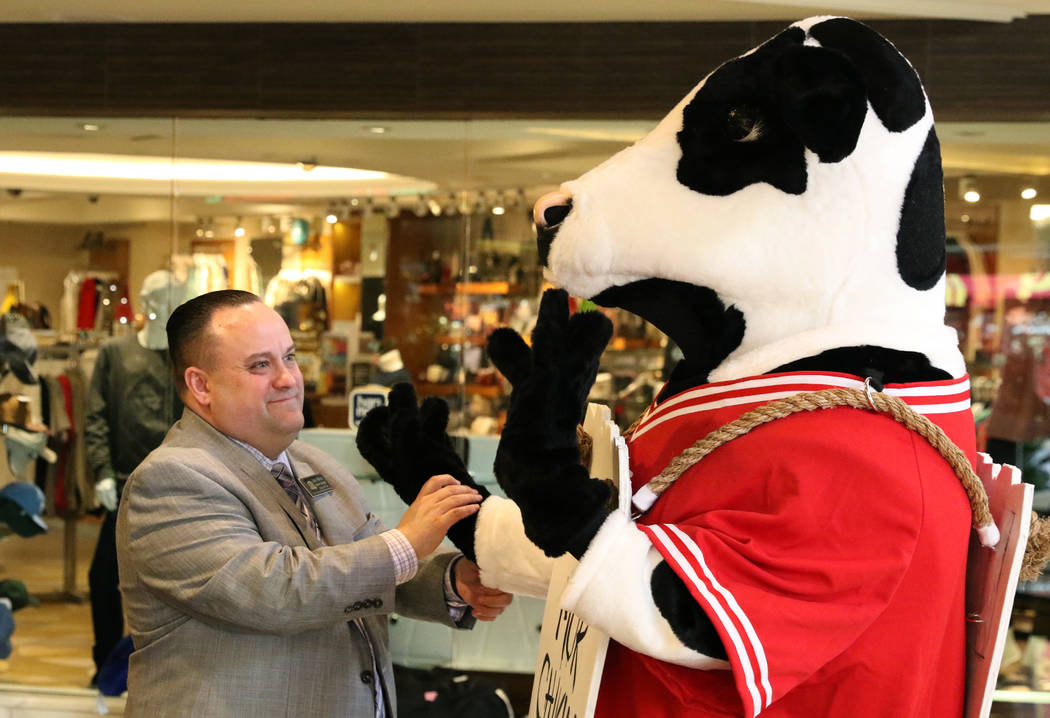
column 291, row 487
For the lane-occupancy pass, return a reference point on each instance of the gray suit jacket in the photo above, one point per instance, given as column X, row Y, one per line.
column 234, row 608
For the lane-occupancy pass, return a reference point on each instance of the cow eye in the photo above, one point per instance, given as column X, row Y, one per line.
column 743, row 124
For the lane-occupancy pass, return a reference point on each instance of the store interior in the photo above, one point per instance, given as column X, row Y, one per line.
column 392, row 247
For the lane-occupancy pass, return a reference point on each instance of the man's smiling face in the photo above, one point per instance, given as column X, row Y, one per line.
column 250, row 387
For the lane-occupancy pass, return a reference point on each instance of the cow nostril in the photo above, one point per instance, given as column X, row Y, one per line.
column 553, row 216
column 550, row 211
column 551, row 208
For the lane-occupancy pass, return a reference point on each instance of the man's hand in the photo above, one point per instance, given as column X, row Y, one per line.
column 486, row 603
column 106, row 493
column 441, row 502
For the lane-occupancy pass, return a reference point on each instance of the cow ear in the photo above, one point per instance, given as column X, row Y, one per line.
column 822, row 99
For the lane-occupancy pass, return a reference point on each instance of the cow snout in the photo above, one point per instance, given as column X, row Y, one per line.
column 549, row 211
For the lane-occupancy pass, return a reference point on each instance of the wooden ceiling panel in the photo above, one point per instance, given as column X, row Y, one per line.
column 972, row 70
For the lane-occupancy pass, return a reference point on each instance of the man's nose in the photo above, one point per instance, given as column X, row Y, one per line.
column 550, row 211
column 285, row 376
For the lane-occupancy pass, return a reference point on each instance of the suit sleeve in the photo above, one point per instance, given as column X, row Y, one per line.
column 423, row 596
column 194, row 545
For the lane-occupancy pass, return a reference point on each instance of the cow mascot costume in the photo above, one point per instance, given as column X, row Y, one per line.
column 784, row 226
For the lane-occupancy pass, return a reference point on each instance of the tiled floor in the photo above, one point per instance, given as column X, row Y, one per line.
column 52, row 642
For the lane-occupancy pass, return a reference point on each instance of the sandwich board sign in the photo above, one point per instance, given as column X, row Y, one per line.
column 991, row 580
column 572, row 652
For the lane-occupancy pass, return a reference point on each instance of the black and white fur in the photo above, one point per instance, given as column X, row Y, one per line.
column 787, row 214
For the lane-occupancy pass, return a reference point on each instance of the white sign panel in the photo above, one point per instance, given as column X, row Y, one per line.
column 572, row 653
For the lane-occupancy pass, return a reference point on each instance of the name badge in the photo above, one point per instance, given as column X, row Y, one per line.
column 316, row 485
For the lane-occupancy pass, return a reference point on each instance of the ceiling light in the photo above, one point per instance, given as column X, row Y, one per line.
column 497, row 207
column 420, row 207
column 1039, row 212
column 90, row 127
column 1028, row 193
column 378, row 130
column 331, row 217
column 449, row 209
column 239, row 231
column 968, row 189
column 132, row 167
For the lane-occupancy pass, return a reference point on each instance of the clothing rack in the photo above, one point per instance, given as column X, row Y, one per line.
column 68, row 592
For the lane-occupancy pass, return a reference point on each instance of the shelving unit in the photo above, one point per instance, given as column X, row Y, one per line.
column 491, row 391
column 472, row 288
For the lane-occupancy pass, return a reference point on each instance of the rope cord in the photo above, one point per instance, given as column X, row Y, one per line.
column 830, row 399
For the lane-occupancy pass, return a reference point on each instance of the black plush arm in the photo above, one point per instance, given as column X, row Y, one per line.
column 538, row 459
column 688, row 621
column 407, row 444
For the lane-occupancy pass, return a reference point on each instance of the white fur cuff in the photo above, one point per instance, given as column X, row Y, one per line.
column 610, row 589
column 507, row 559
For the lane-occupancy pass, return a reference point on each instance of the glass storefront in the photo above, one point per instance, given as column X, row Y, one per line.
column 392, row 248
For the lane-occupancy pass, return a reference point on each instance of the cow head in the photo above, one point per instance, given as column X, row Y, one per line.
column 790, row 204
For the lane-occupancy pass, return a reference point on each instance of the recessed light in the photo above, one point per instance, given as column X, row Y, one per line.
column 1028, row 193
column 378, row 129
column 90, row 127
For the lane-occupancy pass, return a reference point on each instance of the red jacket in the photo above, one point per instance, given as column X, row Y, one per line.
column 828, row 548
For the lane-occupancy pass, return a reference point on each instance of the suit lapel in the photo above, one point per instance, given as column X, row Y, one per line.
column 259, row 475
column 339, row 518
column 199, row 433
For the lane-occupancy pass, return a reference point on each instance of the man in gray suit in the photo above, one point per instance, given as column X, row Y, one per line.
column 256, row 583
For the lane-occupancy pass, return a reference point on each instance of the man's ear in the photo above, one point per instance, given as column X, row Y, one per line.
column 823, row 100
column 198, row 385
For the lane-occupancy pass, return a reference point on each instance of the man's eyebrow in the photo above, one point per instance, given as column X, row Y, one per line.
column 263, row 355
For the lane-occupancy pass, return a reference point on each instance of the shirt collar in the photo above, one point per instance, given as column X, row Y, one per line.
column 267, row 462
